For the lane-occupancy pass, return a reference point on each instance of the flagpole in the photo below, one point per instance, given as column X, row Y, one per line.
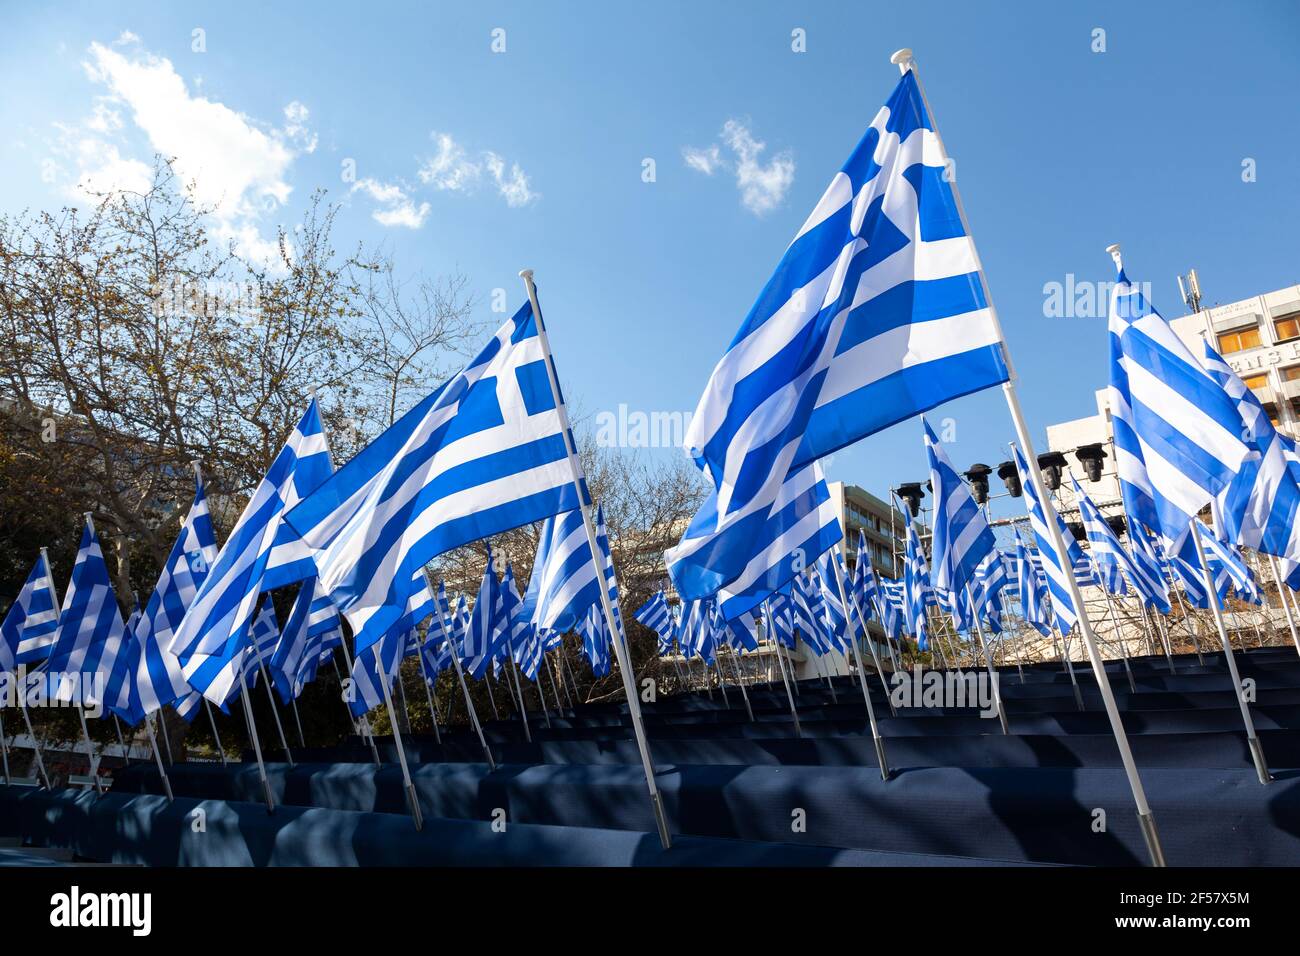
column 162, row 772
column 1290, row 621
column 523, row 707
column 270, row 697
column 780, row 661
column 221, row 751
column 460, row 673
column 903, row 59
column 871, row 646
column 1256, row 749
column 862, row 677
column 22, row 700
column 621, row 652
column 428, row 682
column 988, row 663
column 359, row 726
column 256, row 741
column 1114, row 617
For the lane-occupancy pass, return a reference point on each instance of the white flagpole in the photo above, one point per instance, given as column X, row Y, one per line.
column 903, row 59
column 780, row 661
column 162, row 772
column 1115, row 623
column 411, row 795
column 1286, row 607
column 1256, row 750
column 428, row 680
column 460, row 676
column 256, row 740
column 866, row 638
column 22, row 700
column 621, row 652
column 988, row 662
column 862, row 677
column 270, row 699
column 221, row 751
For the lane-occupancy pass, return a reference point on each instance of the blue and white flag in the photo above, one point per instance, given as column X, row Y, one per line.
column 1116, row 566
column 290, row 558
column 1178, row 434
column 313, row 628
column 486, row 630
column 780, row 619
column 1032, row 590
column 595, row 641
column 1057, row 577
column 1226, row 563
column 90, row 635
column 962, row 538
column 380, row 662
column 483, row 454
column 747, row 559
column 159, row 678
column 1149, row 580
column 654, row 615
column 807, row 618
column 563, row 585
column 214, row 630
column 916, row 580
column 1258, row 509
column 29, row 627
column 264, row 634
column 875, row 313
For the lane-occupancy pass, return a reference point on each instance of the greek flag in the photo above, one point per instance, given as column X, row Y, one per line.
column 483, row 454
column 893, row 603
column 1149, row 580
column 1032, row 590
column 807, row 619
column 833, row 611
column 486, row 628
column 1177, row 432
column 90, row 634
column 1058, row 586
column 313, row 628
column 742, row 633
column 745, row 560
column 214, row 630
column 563, row 585
column 290, row 558
column 962, row 538
column 1184, row 565
column 1226, row 563
column 365, row 692
column 595, row 640
column 916, row 580
column 265, row 635
column 1258, row 507
column 780, row 619
column 875, row 313
column 654, row 615
column 29, row 627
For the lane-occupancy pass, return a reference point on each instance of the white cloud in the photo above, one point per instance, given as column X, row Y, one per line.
column 702, row 160
column 453, row 169
column 396, row 208
column 231, row 163
column 762, row 186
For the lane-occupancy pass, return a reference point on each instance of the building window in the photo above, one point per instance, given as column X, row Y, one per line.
column 1287, row 327
column 1237, row 341
column 1291, row 373
column 1271, row 410
column 1257, row 381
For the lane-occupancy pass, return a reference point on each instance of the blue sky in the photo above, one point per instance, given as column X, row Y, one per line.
column 483, row 162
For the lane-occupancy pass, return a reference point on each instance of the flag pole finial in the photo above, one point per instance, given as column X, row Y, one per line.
column 1113, row 249
column 525, row 273
column 902, row 59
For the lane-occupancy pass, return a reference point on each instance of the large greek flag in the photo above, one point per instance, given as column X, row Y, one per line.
column 875, row 313
column 29, row 627
column 1178, row 434
column 1258, row 509
column 483, row 454
column 214, row 629
column 745, row 561
column 962, row 538
column 91, row 634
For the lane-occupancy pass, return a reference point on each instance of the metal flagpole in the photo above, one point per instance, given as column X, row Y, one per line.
column 988, row 662
column 162, row 772
column 621, row 652
column 523, row 707
column 411, row 796
column 780, row 660
column 85, row 731
column 1256, row 750
column 36, row 744
column 460, row 676
column 903, row 59
column 362, row 725
column 862, row 677
column 221, row 751
column 257, row 742
column 428, row 692
column 270, row 697
column 297, row 719
column 741, row 681
column 1114, row 617
column 871, row 646
column 401, row 690
column 121, row 742
column 4, row 752
column 487, row 681
column 1281, row 593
